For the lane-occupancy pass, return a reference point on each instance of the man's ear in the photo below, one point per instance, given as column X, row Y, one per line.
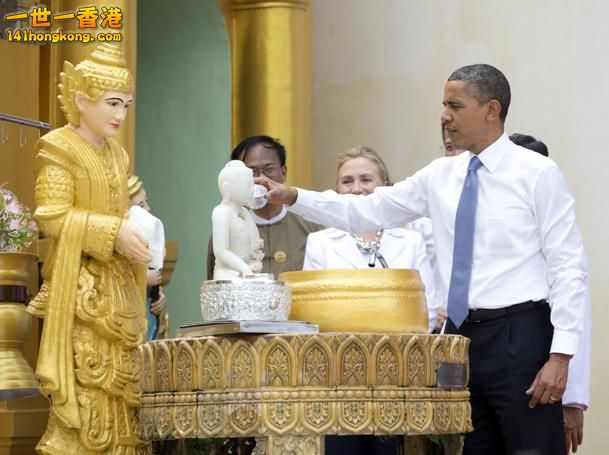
column 284, row 170
column 79, row 99
column 494, row 110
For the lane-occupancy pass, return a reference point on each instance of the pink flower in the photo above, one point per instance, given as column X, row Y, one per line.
column 17, row 229
column 15, row 224
column 14, row 207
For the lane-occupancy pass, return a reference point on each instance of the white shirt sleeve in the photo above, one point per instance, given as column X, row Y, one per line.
column 578, row 382
column 562, row 247
column 387, row 207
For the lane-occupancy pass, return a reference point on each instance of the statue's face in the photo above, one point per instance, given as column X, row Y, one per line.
column 243, row 187
column 236, row 183
column 102, row 118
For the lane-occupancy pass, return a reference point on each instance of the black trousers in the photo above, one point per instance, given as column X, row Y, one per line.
column 505, row 355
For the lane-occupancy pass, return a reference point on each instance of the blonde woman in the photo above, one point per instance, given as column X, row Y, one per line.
column 360, row 171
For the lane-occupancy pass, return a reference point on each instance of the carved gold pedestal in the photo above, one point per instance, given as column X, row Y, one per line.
column 289, row 391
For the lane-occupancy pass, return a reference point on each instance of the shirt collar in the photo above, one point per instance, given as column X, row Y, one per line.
column 492, row 155
column 276, row 219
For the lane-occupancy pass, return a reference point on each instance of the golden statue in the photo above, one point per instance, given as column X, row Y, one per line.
column 92, row 295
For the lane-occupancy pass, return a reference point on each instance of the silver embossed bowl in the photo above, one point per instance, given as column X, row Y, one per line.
column 254, row 298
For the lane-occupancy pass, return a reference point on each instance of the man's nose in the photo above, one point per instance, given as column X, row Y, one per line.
column 445, row 117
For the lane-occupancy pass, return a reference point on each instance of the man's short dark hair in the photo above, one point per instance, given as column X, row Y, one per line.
column 267, row 142
column 485, row 83
column 529, row 142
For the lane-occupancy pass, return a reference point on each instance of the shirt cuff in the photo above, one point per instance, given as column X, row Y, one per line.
column 583, row 407
column 303, row 200
column 576, row 394
column 564, row 342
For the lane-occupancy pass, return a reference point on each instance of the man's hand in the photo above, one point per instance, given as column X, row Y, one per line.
column 132, row 244
column 551, row 380
column 277, row 192
column 574, row 427
column 440, row 319
column 160, row 305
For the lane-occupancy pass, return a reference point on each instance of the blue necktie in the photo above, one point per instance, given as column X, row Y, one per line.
column 465, row 221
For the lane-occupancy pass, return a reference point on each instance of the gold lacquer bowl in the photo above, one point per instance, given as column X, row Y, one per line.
column 359, row 300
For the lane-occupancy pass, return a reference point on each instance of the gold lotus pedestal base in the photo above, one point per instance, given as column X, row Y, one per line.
column 289, row 391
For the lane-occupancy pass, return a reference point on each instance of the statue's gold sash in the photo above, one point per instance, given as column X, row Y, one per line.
column 55, row 367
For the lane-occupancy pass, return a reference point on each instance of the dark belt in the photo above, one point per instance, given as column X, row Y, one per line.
column 485, row 314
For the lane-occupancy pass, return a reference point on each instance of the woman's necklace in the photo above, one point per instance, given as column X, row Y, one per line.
column 369, row 246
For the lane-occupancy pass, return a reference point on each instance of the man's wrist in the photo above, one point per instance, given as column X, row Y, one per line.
column 561, row 357
column 581, row 406
column 292, row 195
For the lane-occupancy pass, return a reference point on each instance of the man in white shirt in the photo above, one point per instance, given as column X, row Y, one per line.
column 518, row 247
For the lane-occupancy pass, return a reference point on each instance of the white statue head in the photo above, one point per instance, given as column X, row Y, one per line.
column 236, row 183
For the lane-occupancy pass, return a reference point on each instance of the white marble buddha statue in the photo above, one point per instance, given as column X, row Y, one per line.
column 236, row 241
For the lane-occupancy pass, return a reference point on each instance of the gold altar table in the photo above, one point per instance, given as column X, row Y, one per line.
column 289, row 391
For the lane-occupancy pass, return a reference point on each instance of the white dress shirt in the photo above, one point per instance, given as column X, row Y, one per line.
column 423, row 227
column 401, row 248
column 577, row 392
column 527, row 245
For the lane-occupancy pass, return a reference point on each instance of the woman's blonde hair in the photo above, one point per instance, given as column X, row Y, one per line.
column 370, row 155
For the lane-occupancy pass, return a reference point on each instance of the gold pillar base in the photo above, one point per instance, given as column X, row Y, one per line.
column 21, row 424
column 17, row 379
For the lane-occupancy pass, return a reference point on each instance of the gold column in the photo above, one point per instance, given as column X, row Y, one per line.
column 76, row 52
column 271, row 76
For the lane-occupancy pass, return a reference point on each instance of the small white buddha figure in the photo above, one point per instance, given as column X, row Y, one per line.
column 236, row 241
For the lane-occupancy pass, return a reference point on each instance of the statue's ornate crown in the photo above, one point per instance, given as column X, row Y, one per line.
column 105, row 69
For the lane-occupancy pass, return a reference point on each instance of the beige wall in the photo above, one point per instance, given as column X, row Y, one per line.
column 379, row 69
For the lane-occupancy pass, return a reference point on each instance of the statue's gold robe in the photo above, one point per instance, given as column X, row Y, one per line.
column 91, row 299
